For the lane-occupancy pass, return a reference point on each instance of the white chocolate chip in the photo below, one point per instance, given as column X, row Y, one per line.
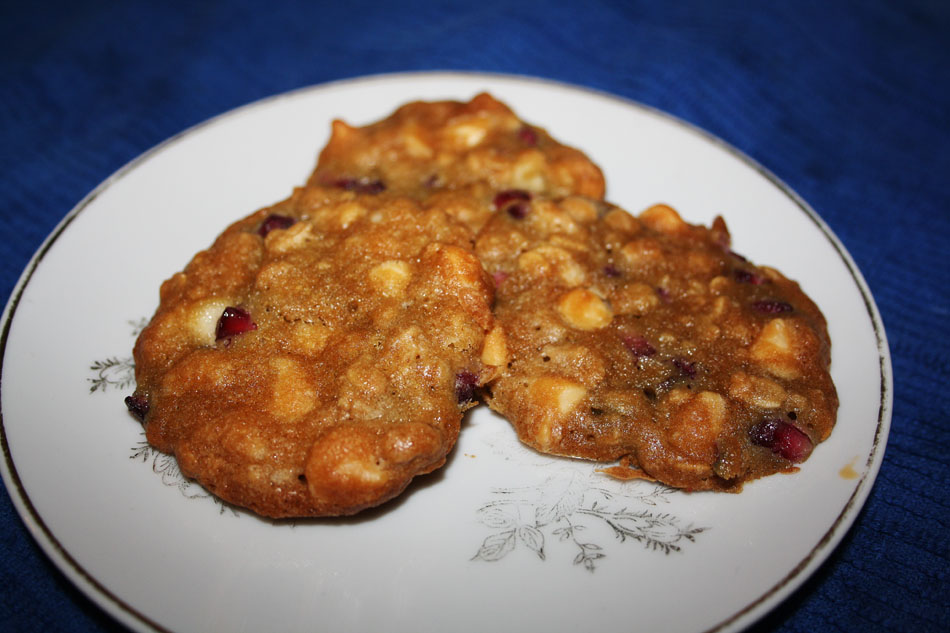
column 390, row 278
column 554, row 398
column 203, row 319
column 774, row 349
column 756, row 390
column 568, row 397
column 556, row 395
column 664, row 219
column 310, row 337
column 640, row 252
column 364, row 470
column 634, row 298
column 620, row 220
column 584, row 310
column 541, row 260
column 467, row 135
column 495, row 348
column 581, row 209
column 528, row 172
column 696, row 423
column 292, row 238
column 293, row 396
column 348, row 213
column 416, row 147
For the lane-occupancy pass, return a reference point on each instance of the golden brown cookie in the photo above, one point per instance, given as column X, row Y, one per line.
column 648, row 340
column 458, row 151
column 319, row 355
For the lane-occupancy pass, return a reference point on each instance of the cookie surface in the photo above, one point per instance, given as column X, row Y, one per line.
column 457, row 151
column 319, row 355
column 647, row 340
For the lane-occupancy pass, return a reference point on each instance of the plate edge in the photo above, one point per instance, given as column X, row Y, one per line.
column 768, row 600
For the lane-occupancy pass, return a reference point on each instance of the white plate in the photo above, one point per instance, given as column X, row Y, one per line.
column 501, row 539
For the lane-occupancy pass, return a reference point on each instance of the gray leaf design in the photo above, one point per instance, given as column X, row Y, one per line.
column 114, row 372
column 495, row 516
column 562, row 504
column 533, row 538
column 119, row 373
column 562, row 496
column 496, row 546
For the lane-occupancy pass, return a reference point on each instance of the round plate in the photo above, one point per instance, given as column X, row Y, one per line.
column 501, row 538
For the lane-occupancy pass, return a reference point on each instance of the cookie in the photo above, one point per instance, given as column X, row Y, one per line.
column 461, row 152
column 319, row 355
column 647, row 340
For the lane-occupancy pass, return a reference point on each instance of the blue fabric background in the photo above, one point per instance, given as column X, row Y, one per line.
column 847, row 102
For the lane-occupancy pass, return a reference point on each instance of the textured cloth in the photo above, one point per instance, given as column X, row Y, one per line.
column 847, row 102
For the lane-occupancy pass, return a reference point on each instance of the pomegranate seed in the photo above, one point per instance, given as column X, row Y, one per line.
column 465, row 384
column 528, row 136
column 233, row 321
column 782, row 438
column 611, row 271
column 510, row 195
column 772, row 307
column 514, row 201
column 361, row 185
column 518, row 210
column 499, row 276
column 664, row 295
column 746, row 277
column 274, row 221
column 137, row 405
column 686, row 368
column 639, row 346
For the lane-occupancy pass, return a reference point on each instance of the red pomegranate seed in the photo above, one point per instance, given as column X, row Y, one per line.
column 783, row 439
column 137, row 405
column 465, row 385
column 499, row 276
column 639, row 346
column 514, row 201
column 772, row 307
column 528, row 136
column 510, row 195
column 361, row 185
column 611, row 271
column 233, row 321
column 747, row 277
column 273, row 222
column 518, row 210
column 686, row 368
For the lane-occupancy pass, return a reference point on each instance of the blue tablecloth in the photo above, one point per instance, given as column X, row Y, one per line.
column 847, row 102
